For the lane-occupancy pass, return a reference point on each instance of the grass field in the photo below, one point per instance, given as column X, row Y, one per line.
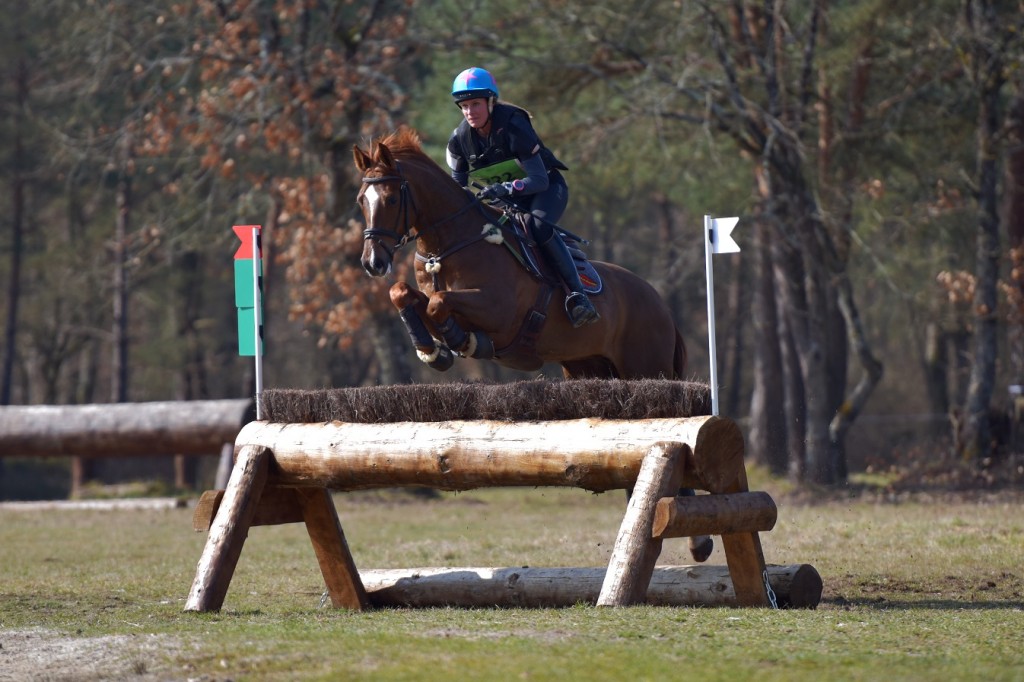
column 923, row 589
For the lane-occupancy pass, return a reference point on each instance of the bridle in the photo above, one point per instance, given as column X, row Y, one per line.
column 406, row 207
column 405, row 201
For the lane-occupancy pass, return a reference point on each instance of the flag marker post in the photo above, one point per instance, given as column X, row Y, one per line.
column 717, row 239
column 249, row 300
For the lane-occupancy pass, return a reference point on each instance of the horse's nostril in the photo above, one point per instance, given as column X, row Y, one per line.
column 376, row 266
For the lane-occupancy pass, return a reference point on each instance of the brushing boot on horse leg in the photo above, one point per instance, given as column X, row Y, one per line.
column 577, row 304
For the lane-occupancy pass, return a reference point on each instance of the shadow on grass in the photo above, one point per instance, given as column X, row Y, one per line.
column 881, row 604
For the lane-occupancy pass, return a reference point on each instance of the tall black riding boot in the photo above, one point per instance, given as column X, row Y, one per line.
column 577, row 305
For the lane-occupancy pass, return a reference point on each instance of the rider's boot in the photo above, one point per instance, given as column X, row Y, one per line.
column 578, row 306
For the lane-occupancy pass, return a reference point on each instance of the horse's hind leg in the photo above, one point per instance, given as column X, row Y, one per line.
column 701, row 546
column 412, row 307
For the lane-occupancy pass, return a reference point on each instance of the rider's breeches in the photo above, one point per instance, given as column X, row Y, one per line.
column 547, row 208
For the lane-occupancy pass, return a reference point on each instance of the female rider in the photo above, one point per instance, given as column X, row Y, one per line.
column 496, row 145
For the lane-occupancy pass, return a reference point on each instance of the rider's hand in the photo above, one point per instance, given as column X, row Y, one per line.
column 499, row 190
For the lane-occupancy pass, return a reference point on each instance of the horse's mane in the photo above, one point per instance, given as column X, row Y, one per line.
column 404, row 142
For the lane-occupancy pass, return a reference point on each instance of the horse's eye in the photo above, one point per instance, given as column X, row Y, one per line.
column 391, row 201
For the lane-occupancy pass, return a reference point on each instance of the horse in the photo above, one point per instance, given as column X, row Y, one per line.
column 476, row 297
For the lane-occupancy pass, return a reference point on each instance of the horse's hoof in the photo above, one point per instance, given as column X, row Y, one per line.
column 701, row 551
column 444, row 360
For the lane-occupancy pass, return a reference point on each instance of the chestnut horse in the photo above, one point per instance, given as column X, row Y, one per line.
column 476, row 298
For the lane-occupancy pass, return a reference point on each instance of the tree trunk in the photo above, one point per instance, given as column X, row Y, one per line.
column 17, row 237
column 1013, row 218
column 119, row 329
column 193, row 384
column 788, row 275
column 768, row 426
column 849, row 408
column 737, row 309
column 936, row 367
column 976, row 438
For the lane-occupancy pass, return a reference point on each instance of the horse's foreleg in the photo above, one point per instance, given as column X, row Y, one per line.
column 412, row 308
column 473, row 344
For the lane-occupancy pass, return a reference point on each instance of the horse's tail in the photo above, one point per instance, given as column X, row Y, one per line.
column 679, row 360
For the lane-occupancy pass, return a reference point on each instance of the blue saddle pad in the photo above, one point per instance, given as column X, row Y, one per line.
column 592, row 283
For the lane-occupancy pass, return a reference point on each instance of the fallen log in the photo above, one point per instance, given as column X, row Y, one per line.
column 795, row 586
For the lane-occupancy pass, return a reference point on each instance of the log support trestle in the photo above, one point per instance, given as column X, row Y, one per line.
column 279, row 478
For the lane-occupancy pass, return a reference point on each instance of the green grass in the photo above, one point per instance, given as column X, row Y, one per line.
column 913, row 591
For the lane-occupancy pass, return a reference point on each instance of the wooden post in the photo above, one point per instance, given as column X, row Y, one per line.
column 336, row 563
column 745, row 557
column 636, row 551
column 229, row 530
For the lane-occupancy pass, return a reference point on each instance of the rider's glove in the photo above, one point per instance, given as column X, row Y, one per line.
column 499, row 190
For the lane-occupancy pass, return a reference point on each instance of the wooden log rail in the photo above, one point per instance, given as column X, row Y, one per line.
column 185, row 427
column 796, row 586
column 283, row 473
column 594, row 454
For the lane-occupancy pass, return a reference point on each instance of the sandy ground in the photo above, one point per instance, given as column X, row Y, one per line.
column 38, row 654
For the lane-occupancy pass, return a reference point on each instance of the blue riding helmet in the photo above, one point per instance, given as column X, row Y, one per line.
column 473, row 83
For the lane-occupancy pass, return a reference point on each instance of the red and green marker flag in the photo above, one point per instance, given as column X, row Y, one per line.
column 249, row 300
column 249, row 289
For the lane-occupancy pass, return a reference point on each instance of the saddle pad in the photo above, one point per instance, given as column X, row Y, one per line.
column 592, row 283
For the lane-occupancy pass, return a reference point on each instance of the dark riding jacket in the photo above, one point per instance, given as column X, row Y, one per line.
column 511, row 151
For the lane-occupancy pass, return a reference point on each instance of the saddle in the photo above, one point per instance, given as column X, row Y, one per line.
column 532, row 259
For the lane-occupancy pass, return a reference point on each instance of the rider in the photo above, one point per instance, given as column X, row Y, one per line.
column 496, row 145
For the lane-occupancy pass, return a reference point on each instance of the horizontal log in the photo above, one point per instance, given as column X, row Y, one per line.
column 186, row 427
column 795, row 586
column 684, row 517
column 594, row 454
column 276, row 506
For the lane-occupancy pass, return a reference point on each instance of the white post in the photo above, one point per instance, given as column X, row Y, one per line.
column 708, row 251
column 257, row 260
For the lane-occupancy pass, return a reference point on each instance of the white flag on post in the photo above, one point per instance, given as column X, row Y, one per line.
column 717, row 239
column 721, row 239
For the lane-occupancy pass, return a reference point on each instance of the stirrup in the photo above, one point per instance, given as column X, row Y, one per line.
column 580, row 309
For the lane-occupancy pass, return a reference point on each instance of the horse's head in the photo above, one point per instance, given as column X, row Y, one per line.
column 386, row 203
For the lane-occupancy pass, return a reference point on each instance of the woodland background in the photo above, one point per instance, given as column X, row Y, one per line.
column 873, row 150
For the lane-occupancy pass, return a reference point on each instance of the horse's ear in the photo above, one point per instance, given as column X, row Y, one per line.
column 362, row 159
column 382, row 155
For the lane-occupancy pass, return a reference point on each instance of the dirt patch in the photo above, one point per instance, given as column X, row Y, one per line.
column 38, row 654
